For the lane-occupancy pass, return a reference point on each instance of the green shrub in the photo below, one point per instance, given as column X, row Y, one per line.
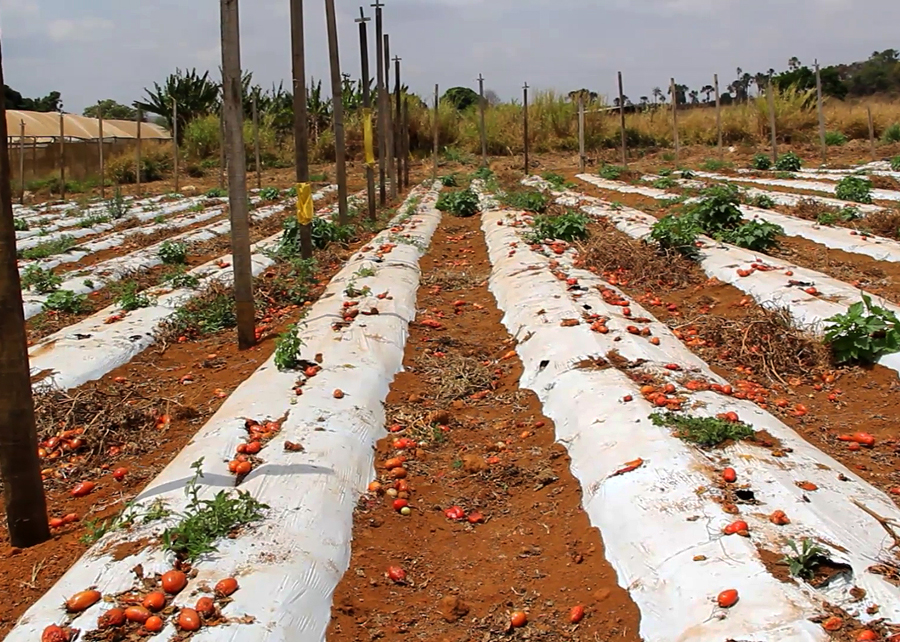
column 854, row 188
column 762, row 162
column 220, row 192
column 835, row 139
column 173, row 252
column 892, row 134
column 687, row 174
column 42, row 281
column 201, row 138
column 449, row 180
column 715, row 165
column 117, row 207
column 666, row 182
column 20, row 224
column 757, row 236
column 270, row 194
column 323, row 232
column 677, row 233
column 65, row 301
column 287, row 349
column 527, row 200
column 483, row 173
column 718, row 209
column 863, row 334
column 571, row 226
column 895, row 163
column 462, row 203
column 789, row 162
column 557, row 181
column 763, row 202
column 129, row 297
column 611, row 172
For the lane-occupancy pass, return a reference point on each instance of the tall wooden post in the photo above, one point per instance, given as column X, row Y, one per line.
column 337, row 110
column 436, row 132
column 233, row 117
column 367, row 110
column 770, row 96
column 622, row 118
column 222, row 158
column 175, row 142
column 674, row 92
column 62, row 157
column 405, row 142
column 256, row 154
column 301, row 113
column 138, row 162
column 398, row 123
column 581, row 161
column 380, row 105
column 821, row 113
column 20, row 470
column 102, row 159
column 21, row 162
column 871, row 132
column 481, row 109
column 718, row 115
column 389, row 119
column 525, row 124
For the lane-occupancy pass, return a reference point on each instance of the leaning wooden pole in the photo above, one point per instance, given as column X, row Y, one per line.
column 337, row 111
column 301, row 129
column 369, row 151
column 102, row 159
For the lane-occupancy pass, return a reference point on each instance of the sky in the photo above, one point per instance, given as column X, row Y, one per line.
column 97, row 49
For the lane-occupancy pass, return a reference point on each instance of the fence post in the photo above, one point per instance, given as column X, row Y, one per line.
column 102, row 159
column 367, row 112
column 337, row 110
column 379, row 101
column 435, row 126
column 406, row 142
column 770, row 95
column 62, row 157
column 389, row 118
column 672, row 89
column 21, row 162
column 398, row 124
column 222, row 150
column 581, row 132
column 23, row 488
column 256, row 143
column 525, row 124
column 233, row 119
column 175, row 142
column 481, row 108
column 301, row 126
column 622, row 116
column 821, row 113
column 718, row 115
column 137, row 172
column 871, row 132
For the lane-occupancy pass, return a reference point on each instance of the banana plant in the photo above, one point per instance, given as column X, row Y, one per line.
column 196, row 96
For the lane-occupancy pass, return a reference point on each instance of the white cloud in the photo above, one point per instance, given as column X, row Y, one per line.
column 16, row 8
column 78, row 30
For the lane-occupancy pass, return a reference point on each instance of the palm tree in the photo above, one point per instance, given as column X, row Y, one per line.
column 657, row 95
column 708, row 90
column 645, row 102
column 196, row 96
column 694, row 94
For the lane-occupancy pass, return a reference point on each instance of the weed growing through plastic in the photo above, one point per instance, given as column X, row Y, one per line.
column 270, row 194
column 287, row 349
column 611, row 172
column 37, row 279
column 65, row 301
column 173, row 252
column 117, row 207
column 217, row 192
column 461, row 203
column 806, row 559
column 863, row 334
column 854, row 188
column 59, row 245
column 763, row 202
column 527, row 200
column 570, row 226
column 20, row 225
column 129, row 297
column 703, row 431
column 715, row 165
column 178, row 278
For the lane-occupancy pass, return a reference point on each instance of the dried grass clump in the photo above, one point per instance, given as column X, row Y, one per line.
column 885, row 223
column 455, row 375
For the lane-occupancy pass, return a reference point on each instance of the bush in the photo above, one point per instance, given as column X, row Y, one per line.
column 154, row 165
column 763, row 202
column 718, row 210
column 892, row 134
column 863, row 334
column 611, row 172
column 270, row 194
column 449, row 180
column 40, row 280
column 895, row 163
column 201, row 138
column 835, row 139
column 855, row 189
column 571, row 226
column 323, row 232
column 65, row 301
column 714, row 165
column 173, row 252
column 762, row 162
column 462, row 203
column 757, row 236
column 789, row 162
column 677, row 233
column 666, row 182
column 528, row 200
column 20, row 225
column 483, row 173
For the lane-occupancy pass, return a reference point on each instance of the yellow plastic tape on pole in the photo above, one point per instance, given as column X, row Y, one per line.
column 304, row 204
column 367, row 137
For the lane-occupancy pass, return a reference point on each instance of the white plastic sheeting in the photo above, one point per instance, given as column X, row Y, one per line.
column 288, row 565
column 816, row 186
column 653, row 520
column 100, row 274
column 772, row 289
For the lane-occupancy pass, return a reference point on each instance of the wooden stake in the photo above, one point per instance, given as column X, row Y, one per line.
column 481, row 109
column 821, row 112
column 337, row 111
column 406, row 142
column 21, row 162
column 622, row 117
column 20, row 470
column 256, row 143
column 718, row 115
column 675, row 118
column 233, row 117
column 389, row 119
column 379, row 98
column 137, row 171
column 525, row 124
column 770, row 95
column 102, row 159
column 62, row 157
column 435, row 130
column 398, row 124
column 175, row 142
column 581, row 163
column 871, row 132
column 367, row 104
column 222, row 149
column 301, row 128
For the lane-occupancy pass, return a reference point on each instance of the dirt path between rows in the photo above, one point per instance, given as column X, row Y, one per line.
column 520, row 541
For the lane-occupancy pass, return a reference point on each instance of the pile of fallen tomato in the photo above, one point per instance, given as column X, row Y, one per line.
column 258, row 435
column 145, row 613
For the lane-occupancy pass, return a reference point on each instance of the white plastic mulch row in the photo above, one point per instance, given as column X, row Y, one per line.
column 838, row 238
column 663, row 537
column 770, row 288
column 815, row 186
column 100, row 274
column 90, row 348
column 289, row 564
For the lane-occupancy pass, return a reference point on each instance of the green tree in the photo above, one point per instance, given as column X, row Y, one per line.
column 111, row 110
column 14, row 100
column 196, row 96
column 461, row 97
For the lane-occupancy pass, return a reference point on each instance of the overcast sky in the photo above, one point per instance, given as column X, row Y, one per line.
column 93, row 49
